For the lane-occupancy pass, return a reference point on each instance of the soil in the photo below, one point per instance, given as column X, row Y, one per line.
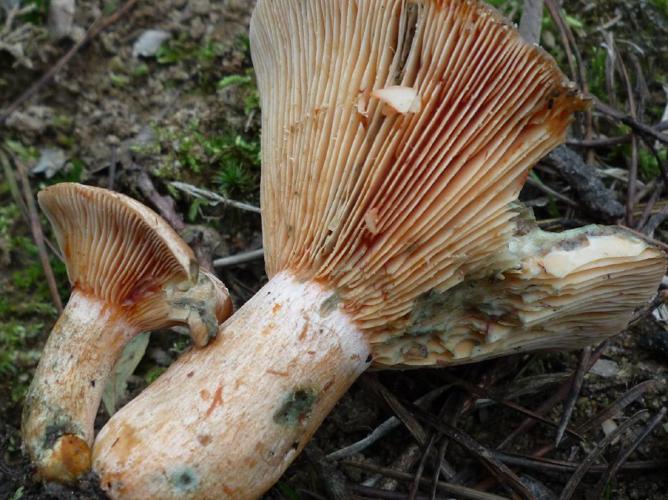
column 115, row 116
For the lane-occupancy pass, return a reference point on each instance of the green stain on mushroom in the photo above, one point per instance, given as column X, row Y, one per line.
column 58, row 424
column 296, row 406
column 53, row 432
column 184, row 480
column 329, row 304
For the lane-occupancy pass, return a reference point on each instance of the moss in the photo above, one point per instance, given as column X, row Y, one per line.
column 25, row 306
column 153, row 373
column 232, row 159
column 202, row 60
column 56, row 430
column 16, row 356
column 247, row 85
column 661, row 6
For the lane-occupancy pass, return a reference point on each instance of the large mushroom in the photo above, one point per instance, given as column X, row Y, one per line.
column 130, row 272
column 396, row 135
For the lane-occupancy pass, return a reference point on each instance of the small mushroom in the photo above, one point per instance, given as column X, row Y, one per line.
column 366, row 214
column 130, row 272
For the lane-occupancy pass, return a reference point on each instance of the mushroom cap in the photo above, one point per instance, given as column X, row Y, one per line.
column 559, row 291
column 121, row 252
column 396, row 138
column 384, row 207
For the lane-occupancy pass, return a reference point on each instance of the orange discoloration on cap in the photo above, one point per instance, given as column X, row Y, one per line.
column 70, row 458
column 305, row 329
column 228, row 490
column 277, row 372
column 267, row 330
column 217, row 400
column 204, row 439
column 113, row 481
column 125, row 443
column 329, row 384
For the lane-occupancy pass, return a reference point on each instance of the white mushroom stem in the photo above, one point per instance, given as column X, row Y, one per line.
column 262, row 388
column 79, row 356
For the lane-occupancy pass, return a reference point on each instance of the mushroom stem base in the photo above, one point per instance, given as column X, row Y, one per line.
column 65, row 393
column 226, row 421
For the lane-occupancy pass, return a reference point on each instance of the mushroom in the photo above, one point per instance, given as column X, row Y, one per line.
column 130, row 272
column 366, row 214
column 558, row 291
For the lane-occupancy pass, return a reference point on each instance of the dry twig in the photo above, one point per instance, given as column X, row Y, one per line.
column 583, row 367
column 550, row 465
column 384, row 428
column 633, row 168
column 240, row 258
column 213, row 198
column 38, row 236
column 559, row 395
column 610, row 411
column 624, row 453
column 579, row 473
column 641, row 128
column 531, row 20
column 455, row 489
column 165, row 205
column 482, row 393
column 501, row 472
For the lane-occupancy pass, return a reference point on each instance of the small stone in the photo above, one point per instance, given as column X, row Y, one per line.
column 149, row 42
column 660, row 313
column 34, row 119
column 605, row 368
column 197, row 28
column 77, row 33
column 200, row 7
column 61, row 18
column 608, row 426
column 51, row 161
